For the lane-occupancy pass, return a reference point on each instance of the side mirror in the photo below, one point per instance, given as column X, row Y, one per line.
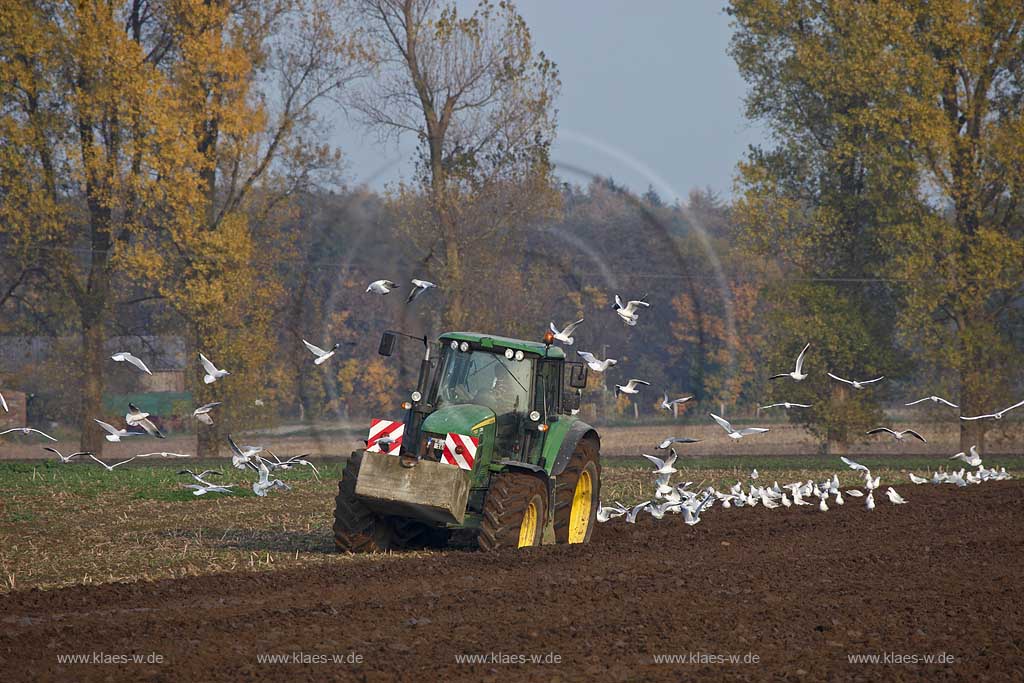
column 577, row 375
column 387, row 343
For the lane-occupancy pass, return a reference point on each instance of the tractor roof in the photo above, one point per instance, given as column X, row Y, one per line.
column 505, row 343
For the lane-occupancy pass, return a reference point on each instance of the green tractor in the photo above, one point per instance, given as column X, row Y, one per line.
column 490, row 453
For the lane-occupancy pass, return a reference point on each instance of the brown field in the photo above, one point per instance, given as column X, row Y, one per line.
column 798, row 589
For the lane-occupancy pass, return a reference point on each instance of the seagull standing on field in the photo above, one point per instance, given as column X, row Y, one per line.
column 26, row 431
column 595, row 364
column 869, row 502
column 628, row 313
column 381, row 287
column 916, row 479
column 565, row 336
column 894, row 498
column 630, row 387
column 994, row 416
column 113, row 433
column 63, row 458
column 321, row 355
column 854, row 383
column 898, row 435
column 667, row 404
column 737, row 433
column 125, row 357
column 212, row 373
column 785, row 404
column 418, row 287
column 933, row 399
column 202, row 413
column 798, row 373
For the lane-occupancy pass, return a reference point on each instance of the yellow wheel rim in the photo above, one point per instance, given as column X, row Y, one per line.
column 528, row 529
column 579, row 515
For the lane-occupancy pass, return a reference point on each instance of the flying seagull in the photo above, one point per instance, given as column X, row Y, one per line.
column 737, row 433
column 604, row 513
column 854, row 465
column 855, row 384
column 667, row 443
column 199, row 477
column 137, row 418
column 125, row 357
column 202, row 413
column 243, row 456
column 113, row 433
column 785, row 404
column 662, row 466
column 288, row 463
column 26, row 431
column 630, row 387
column 933, row 399
column 994, row 416
column 898, row 435
column 110, row 468
column 565, row 335
column 381, row 286
column 667, row 404
column 595, row 364
column 212, row 373
column 974, row 459
column 65, row 458
column 418, row 287
column 628, row 313
column 265, row 483
column 321, row 355
column 798, row 373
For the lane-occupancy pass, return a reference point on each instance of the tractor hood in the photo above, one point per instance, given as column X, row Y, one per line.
column 468, row 419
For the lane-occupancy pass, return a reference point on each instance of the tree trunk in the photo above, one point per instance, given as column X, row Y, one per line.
column 92, row 385
column 972, row 432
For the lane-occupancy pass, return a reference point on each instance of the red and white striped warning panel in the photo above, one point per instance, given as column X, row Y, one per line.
column 389, row 432
column 460, row 450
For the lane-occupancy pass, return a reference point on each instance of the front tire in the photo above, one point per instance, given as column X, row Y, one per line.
column 514, row 512
column 578, row 494
column 357, row 529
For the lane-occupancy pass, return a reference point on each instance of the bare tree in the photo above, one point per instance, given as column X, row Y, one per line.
column 480, row 101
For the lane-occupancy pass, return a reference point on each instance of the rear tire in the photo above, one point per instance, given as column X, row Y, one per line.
column 357, row 529
column 578, row 494
column 514, row 513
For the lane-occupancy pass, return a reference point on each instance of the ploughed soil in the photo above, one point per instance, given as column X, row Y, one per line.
column 798, row 589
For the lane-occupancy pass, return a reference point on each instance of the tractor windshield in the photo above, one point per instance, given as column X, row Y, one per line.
column 486, row 379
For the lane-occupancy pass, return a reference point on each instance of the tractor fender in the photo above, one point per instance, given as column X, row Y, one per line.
column 528, row 467
column 578, row 431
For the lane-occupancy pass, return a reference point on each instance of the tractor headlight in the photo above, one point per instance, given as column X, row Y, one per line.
column 416, row 396
column 454, row 345
column 520, row 355
column 464, row 346
column 510, row 354
column 534, row 415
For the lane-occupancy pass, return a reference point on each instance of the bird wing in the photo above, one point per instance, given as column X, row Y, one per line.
column 571, row 327
column 677, row 401
column 234, row 447
column 658, row 462
column 915, row 435
column 43, row 434
column 206, row 408
column 722, row 422
column 838, row 378
column 97, row 460
column 618, row 302
column 770, row 405
column 976, row 417
column 123, row 462
column 1015, row 405
column 877, row 430
column 920, row 400
column 872, row 381
column 207, row 365
column 948, row 403
column 634, row 382
column 780, row 375
column 109, row 428
column 3, row 403
column 587, row 356
column 554, row 329
column 747, row 431
column 137, row 362
column 800, row 359
column 633, row 304
column 853, row 465
column 316, row 350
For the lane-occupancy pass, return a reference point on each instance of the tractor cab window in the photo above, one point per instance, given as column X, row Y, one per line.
column 486, row 379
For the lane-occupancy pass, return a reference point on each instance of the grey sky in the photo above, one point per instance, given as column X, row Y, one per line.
column 649, row 96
